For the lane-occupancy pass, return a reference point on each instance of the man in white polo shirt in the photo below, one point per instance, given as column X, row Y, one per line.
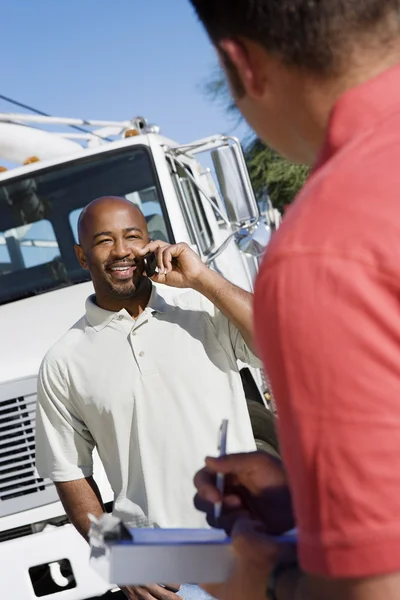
column 146, row 376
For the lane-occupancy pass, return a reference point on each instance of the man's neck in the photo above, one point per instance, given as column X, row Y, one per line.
column 134, row 305
column 317, row 99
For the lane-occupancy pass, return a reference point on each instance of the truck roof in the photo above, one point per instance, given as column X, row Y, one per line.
column 25, row 139
column 40, row 165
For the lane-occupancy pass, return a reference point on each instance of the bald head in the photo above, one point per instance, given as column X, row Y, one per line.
column 103, row 210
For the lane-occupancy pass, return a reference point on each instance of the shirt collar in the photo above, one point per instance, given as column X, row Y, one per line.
column 99, row 318
column 158, row 302
column 361, row 109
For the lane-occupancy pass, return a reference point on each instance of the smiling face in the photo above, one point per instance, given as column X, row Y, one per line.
column 111, row 231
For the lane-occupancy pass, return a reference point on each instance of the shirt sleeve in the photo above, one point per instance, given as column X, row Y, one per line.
column 240, row 348
column 329, row 335
column 229, row 335
column 64, row 445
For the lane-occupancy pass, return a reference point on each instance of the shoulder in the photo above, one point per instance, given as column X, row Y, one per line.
column 65, row 349
column 348, row 209
column 185, row 299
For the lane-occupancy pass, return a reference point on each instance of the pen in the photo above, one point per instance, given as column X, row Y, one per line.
column 220, row 476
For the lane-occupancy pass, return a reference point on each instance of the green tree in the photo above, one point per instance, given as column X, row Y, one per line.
column 269, row 172
column 274, row 174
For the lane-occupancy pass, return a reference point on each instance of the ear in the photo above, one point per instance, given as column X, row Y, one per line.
column 246, row 58
column 81, row 256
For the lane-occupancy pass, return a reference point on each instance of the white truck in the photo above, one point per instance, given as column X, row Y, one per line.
column 43, row 290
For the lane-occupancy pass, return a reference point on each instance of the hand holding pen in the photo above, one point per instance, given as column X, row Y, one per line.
column 255, row 482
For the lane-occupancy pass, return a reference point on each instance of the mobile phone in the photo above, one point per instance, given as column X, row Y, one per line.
column 150, row 264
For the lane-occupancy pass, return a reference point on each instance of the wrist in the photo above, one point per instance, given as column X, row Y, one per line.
column 283, row 580
column 207, row 283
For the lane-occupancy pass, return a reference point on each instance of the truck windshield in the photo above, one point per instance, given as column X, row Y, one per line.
column 39, row 214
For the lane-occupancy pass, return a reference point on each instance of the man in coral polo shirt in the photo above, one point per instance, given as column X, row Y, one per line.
column 320, row 82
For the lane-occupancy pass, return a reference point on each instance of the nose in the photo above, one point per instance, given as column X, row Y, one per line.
column 121, row 248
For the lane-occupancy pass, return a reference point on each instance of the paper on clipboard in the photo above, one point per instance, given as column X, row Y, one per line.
column 171, row 537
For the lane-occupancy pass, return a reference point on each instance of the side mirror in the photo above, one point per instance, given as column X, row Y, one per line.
column 234, row 182
column 255, row 240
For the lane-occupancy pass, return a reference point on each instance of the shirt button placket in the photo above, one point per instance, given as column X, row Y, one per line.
column 141, row 357
column 143, row 362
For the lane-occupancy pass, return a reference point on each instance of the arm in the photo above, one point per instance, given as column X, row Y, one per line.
column 64, row 446
column 256, row 555
column 179, row 266
column 293, row 585
column 79, row 498
column 236, row 304
column 82, row 497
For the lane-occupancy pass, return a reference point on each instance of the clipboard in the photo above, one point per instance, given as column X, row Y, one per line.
column 124, row 556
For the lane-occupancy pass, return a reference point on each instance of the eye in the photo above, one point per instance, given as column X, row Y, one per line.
column 103, row 241
column 134, row 237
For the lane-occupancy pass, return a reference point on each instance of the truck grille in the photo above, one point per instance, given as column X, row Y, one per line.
column 17, row 448
column 19, row 481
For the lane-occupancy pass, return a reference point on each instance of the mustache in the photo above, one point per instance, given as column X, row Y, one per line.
column 124, row 263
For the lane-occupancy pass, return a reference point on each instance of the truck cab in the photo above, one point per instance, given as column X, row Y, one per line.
column 43, row 290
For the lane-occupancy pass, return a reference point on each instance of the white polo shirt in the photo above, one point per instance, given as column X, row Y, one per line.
column 150, row 394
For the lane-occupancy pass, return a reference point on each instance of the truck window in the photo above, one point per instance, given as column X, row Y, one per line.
column 27, row 246
column 39, row 213
column 198, row 215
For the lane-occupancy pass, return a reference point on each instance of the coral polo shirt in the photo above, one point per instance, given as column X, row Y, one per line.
column 327, row 314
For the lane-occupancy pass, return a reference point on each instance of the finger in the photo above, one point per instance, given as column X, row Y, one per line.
column 151, row 247
column 233, row 502
column 228, row 520
column 253, row 470
column 160, row 593
column 177, row 249
column 230, row 503
column 160, row 261
column 208, row 509
column 130, row 592
column 172, row 587
column 167, row 259
column 204, row 481
column 203, row 505
column 230, row 463
column 233, row 508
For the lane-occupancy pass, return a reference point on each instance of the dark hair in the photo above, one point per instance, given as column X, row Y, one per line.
column 315, row 35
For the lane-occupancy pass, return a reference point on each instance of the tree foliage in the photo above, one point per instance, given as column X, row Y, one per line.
column 271, row 173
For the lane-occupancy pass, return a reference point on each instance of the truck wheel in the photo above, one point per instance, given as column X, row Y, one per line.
column 264, row 430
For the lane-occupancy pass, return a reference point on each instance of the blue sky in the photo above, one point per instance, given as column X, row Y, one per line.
column 96, row 59
column 111, row 60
